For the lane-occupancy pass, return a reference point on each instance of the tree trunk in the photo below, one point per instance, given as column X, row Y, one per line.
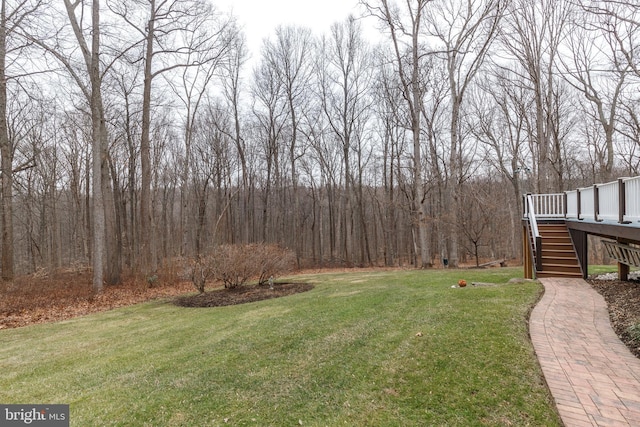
column 452, row 188
column 6, row 167
column 97, row 122
column 112, row 197
column 146, row 221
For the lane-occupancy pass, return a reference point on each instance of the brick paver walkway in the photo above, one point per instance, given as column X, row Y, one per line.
column 593, row 377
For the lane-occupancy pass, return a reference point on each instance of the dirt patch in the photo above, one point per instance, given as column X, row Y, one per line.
column 241, row 295
column 623, row 302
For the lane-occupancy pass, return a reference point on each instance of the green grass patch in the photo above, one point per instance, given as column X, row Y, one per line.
column 345, row 353
column 603, row 269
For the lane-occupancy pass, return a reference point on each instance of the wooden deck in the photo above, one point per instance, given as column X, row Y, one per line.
column 556, row 226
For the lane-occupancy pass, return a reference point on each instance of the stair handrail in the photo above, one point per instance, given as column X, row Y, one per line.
column 537, row 239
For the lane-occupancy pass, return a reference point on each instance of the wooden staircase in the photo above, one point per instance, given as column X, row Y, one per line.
column 558, row 254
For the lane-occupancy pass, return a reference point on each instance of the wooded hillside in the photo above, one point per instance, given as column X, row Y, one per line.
column 133, row 132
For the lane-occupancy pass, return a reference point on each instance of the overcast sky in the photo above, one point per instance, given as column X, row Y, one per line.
column 259, row 18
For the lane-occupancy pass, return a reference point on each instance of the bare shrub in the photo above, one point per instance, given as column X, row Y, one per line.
column 273, row 260
column 198, row 270
column 201, row 273
column 235, row 265
column 232, row 264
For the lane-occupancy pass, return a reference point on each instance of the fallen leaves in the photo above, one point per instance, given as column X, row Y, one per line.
column 40, row 298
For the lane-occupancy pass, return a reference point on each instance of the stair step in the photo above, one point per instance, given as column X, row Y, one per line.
column 559, row 232
column 558, row 247
column 557, row 274
column 559, row 260
column 555, row 266
column 553, row 229
column 558, row 251
column 559, row 240
column 558, row 257
column 559, row 268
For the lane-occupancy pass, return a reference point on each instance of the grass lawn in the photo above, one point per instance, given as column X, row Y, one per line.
column 602, row 269
column 345, row 353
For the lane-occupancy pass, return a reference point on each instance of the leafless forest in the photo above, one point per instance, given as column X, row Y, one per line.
column 134, row 133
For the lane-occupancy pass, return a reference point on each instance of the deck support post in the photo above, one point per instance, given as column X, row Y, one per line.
column 580, row 242
column 623, row 269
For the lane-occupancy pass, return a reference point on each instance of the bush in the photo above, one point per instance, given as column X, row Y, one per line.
column 273, row 260
column 198, row 270
column 234, row 265
column 634, row 332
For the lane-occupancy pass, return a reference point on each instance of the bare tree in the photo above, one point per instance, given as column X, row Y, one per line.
column 620, row 22
column 174, row 34
column 125, row 125
column 192, row 88
column 12, row 16
column 87, row 72
column 270, row 109
column 406, row 30
column 629, row 127
column 465, row 30
column 93, row 93
column 501, row 113
column 593, row 66
column 289, row 56
column 475, row 220
column 232, row 83
column 531, row 34
column 344, row 82
column 391, row 131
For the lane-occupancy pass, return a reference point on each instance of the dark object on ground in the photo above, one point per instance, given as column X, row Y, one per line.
column 241, row 294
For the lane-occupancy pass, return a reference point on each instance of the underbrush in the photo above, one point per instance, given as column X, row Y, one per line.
column 48, row 296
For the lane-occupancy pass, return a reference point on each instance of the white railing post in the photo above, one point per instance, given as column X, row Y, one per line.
column 632, row 199
column 537, row 240
column 531, row 215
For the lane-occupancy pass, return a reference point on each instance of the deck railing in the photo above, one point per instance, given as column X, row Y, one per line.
column 632, row 199
column 572, row 204
column 613, row 201
column 608, row 201
column 537, row 239
column 546, row 205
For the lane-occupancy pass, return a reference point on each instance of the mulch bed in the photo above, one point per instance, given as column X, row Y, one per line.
column 241, row 295
column 623, row 302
